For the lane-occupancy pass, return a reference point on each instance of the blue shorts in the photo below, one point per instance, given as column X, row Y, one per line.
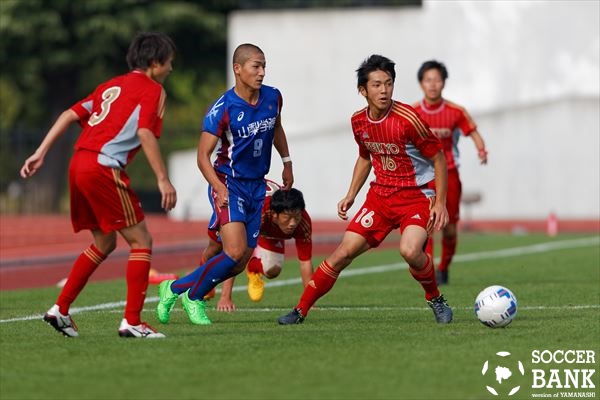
column 246, row 198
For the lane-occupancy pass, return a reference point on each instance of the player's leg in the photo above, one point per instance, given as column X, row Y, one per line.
column 264, row 261
column 84, row 266
column 420, row 263
column 449, row 234
column 213, row 248
column 366, row 229
column 421, row 268
column 138, row 267
column 83, row 217
column 326, row 275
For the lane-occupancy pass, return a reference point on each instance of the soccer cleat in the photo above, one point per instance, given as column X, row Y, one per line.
column 441, row 310
column 62, row 323
column 294, row 317
column 143, row 331
column 256, row 286
column 166, row 301
column 441, row 277
column 196, row 310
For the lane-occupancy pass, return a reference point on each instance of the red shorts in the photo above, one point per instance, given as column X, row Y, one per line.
column 101, row 197
column 453, row 196
column 378, row 216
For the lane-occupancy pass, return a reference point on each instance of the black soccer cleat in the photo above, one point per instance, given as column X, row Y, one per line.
column 294, row 317
column 441, row 310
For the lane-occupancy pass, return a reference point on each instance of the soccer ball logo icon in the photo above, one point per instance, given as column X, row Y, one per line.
column 496, row 306
column 502, row 372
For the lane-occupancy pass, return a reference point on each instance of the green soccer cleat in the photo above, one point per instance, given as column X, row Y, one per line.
column 196, row 310
column 166, row 301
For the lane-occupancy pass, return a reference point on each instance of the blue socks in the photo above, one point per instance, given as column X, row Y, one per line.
column 205, row 277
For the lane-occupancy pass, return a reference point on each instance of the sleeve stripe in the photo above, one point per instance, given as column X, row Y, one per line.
column 413, row 119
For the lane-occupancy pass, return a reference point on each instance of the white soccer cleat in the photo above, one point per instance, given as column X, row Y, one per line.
column 142, row 330
column 62, row 323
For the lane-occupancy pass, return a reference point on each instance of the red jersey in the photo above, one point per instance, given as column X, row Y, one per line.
column 302, row 234
column 400, row 145
column 113, row 113
column 448, row 121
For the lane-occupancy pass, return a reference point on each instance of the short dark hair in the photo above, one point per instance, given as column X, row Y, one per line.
column 243, row 52
column 373, row 63
column 149, row 47
column 287, row 200
column 432, row 64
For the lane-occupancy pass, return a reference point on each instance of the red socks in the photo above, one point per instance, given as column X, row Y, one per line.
column 321, row 282
column 255, row 265
column 82, row 269
column 448, row 250
column 138, row 268
column 426, row 277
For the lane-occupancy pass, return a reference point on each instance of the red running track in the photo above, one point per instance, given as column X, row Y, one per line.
column 38, row 251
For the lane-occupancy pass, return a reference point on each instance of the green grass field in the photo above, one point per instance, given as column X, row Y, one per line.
column 371, row 337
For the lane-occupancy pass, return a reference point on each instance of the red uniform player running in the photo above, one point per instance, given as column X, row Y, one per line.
column 406, row 157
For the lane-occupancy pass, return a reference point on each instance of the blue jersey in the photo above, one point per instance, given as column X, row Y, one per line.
column 245, row 131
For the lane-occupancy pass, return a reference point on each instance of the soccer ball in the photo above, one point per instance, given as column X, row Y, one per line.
column 496, row 306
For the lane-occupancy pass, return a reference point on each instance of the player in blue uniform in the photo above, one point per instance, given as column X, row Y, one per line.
column 246, row 123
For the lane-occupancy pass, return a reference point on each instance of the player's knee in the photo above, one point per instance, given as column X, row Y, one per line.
column 273, row 272
column 106, row 247
column 410, row 253
column 236, row 254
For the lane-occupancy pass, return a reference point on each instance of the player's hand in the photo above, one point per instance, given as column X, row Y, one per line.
column 483, row 156
column 225, row 305
column 221, row 196
column 438, row 218
column 168, row 194
column 343, row 206
column 287, row 176
column 31, row 165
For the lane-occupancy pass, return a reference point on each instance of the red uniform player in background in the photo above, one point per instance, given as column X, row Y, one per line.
column 449, row 122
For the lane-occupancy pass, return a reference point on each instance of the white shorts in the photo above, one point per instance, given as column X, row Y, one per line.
column 268, row 258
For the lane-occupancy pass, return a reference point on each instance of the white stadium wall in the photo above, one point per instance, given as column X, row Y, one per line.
column 532, row 86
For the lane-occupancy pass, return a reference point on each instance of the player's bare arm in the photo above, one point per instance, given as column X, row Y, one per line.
column 206, row 146
column 439, row 215
column 306, row 271
column 281, row 145
column 152, row 150
column 36, row 160
column 362, row 168
column 480, row 145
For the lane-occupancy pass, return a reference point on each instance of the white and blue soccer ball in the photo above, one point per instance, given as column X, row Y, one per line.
column 496, row 306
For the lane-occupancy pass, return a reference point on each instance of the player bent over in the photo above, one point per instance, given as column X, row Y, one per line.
column 406, row 158
column 120, row 116
column 284, row 217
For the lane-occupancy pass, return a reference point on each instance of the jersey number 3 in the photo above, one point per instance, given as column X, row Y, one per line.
column 108, row 96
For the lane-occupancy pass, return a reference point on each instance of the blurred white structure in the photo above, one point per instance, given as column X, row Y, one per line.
column 527, row 71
